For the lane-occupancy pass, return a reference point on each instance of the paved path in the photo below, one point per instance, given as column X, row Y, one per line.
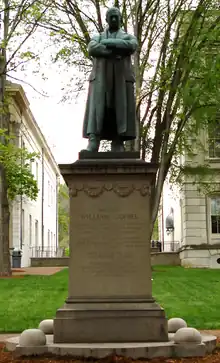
column 4, row 337
column 37, row 270
column 212, row 332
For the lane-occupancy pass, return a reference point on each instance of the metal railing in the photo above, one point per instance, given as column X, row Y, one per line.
column 171, row 246
column 45, row 252
column 165, row 246
column 158, row 246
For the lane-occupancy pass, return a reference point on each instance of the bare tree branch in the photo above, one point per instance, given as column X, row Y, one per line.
column 28, row 84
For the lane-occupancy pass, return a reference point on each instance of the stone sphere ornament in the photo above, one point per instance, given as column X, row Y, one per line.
column 187, row 335
column 32, row 338
column 175, row 324
column 46, row 326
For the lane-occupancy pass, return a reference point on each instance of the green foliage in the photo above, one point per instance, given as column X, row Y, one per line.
column 16, row 162
column 63, row 216
column 155, row 234
column 27, row 55
column 67, row 251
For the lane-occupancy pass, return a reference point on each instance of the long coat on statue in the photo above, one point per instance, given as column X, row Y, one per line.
column 110, row 107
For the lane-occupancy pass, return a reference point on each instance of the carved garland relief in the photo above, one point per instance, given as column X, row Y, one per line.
column 122, row 190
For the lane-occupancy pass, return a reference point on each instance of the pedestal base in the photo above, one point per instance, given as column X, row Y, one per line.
column 110, row 322
column 110, row 288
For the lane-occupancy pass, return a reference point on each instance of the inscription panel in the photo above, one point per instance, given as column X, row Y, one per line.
column 110, row 252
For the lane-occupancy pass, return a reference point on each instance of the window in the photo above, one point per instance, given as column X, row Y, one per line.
column 22, row 227
column 214, row 143
column 181, row 220
column 51, row 195
column 215, row 214
column 30, row 230
column 36, row 233
column 31, row 166
column 43, row 237
column 48, row 193
column 214, row 148
column 48, row 238
column 23, row 146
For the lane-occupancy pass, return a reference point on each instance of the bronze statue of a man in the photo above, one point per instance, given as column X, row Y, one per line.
column 110, row 107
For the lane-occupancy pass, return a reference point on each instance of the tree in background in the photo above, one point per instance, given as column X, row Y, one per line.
column 155, row 234
column 18, row 22
column 63, row 216
column 16, row 162
column 177, row 83
column 19, row 180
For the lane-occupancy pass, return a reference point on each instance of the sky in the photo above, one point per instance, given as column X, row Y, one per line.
column 60, row 122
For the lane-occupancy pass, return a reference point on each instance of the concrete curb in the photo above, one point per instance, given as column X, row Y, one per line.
column 132, row 350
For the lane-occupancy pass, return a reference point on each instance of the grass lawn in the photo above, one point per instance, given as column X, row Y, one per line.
column 193, row 294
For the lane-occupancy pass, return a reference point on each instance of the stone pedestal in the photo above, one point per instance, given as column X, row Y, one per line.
column 110, row 292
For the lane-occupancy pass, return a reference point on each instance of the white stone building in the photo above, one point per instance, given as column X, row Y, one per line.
column 34, row 224
column 195, row 210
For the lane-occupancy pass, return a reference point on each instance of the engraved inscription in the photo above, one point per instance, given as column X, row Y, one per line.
column 109, row 242
column 110, row 251
column 92, row 216
column 100, row 216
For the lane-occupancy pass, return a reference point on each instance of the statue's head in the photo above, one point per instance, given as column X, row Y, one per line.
column 113, row 18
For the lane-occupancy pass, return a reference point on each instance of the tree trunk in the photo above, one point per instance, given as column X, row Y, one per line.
column 5, row 266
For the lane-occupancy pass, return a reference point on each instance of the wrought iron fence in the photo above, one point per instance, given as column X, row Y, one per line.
column 44, row 252
column 165, row 246
column 171, row 246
